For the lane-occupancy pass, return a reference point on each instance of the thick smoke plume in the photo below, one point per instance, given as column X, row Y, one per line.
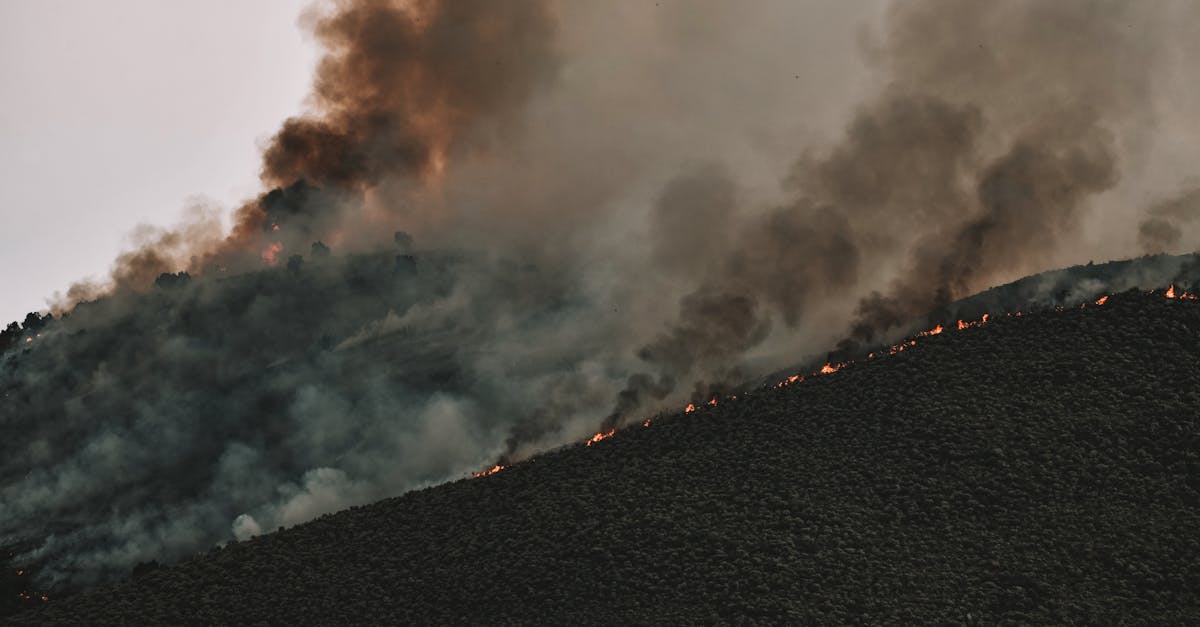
column 502, row 226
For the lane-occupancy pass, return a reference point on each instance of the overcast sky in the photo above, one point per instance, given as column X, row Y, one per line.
column 119, row 113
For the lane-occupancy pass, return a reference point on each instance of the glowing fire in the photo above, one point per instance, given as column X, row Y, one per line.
column 600, row 436
column 830, row 367
column 274, row 227
column 934, row 331
column 271, row 254
column 490, row 471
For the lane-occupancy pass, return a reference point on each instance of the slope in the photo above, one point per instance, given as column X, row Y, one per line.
column 1036, row 468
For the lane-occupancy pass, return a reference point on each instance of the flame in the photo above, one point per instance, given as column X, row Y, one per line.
column 830, row 367
column 28, row 340
column 934, row 331
column 274, row 227
column 600, row 436
column 271, row 254
column 490, row 471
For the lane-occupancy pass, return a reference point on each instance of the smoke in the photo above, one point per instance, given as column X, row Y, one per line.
column 608, row 209
column 1162, row 229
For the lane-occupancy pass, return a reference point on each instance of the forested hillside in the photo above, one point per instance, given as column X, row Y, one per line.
column 1040, row 468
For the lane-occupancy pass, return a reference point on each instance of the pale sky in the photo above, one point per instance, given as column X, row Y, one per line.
column 119, row 113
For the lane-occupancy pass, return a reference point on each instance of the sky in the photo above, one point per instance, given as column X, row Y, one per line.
column 115, row 114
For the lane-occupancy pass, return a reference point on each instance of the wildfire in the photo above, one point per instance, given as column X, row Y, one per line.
column 829, row 368
column 934, row 331
column 271, row 254
column 1171, row 293
column 490, row 471
column 600, row 436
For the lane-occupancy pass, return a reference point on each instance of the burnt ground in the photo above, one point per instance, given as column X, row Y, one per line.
column 1037, row 469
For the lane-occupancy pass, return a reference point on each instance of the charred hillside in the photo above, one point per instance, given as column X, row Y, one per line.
column 1035, row 468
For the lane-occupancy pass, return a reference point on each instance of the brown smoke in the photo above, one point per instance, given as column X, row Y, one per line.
column 404, row 87
column 401, row 82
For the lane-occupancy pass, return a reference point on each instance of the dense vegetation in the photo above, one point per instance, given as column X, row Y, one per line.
column 1044, row 468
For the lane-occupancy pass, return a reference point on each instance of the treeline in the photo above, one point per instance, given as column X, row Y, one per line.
column 23, row 332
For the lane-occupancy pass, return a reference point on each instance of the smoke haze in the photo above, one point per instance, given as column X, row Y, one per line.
column 609, row 209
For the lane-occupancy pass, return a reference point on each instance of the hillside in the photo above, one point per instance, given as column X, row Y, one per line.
column 1037, row 468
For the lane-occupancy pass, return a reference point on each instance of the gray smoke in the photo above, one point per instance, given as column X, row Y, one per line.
column 1163, row 227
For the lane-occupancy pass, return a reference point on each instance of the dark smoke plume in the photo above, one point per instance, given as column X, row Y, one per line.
column 401, row 83
column 1162, row 230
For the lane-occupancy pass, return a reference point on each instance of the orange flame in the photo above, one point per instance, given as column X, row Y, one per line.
column 600, row 436
column 1102, row 300
column 713, row 402
column 1171, row 291
column 829, row 368
column 934, row 331
column 271, row 254
column 689, row 409
column 491, row 471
